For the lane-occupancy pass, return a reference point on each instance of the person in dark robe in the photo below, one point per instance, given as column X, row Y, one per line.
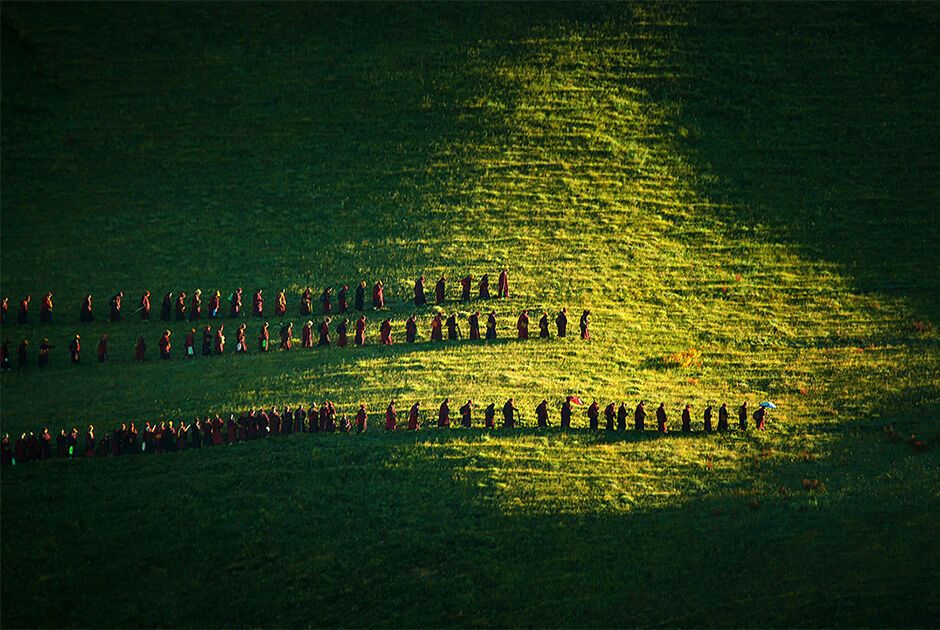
column 385, row 332
column 117, row 440
column 21, row 353
column 170, row 435
column 420, row 298
column 707, row 416
column 465, row 415
column 593, row 413
column 130, row 440
column 361, row 295
column 610, row 414
column 378, row 295
column 443, row 414
column 324, row 332
column 509, row 414
column 220, row 339
column 145, row 307
column 71, row 442
column 44, row 349
column 414, row 420
column 342, row 333
column 742, row 416
column 61, row 445
column 661, row 418
column 5, row 355
column 342, row 300
column 584, row 323
column 306, row 335
column 45, row 309
column 287, row 335
column 241, row 345
column 217, row 425
column 114, row 314
column 181, row 306
column 522, row 324
column 330, row 417
column 453, row 329
column 257, row 304
column 20, row 452
column 465, row 284
column 306, row 302
column 140, row 349
column 22, row 316
column 360, row 338
column 723, row 417
column 561, row 322
column 189, row 345
column 6, row 450
column 90, row 441
column 436, row 324
column 566, row 413
column 473, row 321
column 264, row 337
column 687, row 419
column 32, row 447
column 325, row 300
column 166, row 310
column 759, row 418
column 390, row 416
column 287, row 421
column 439, row 290
column 103, row 349
column 164, row 344
column 411, row 329
column 541, row 414
column 215, row 301
column 86, row 314
column 299, row 417
column 362, row 418
column 4, row 310
column 280, row 304
column 235, row 303
column 543, row 326
column 502, row 287
column 639, row 417
column 484, row 293
column 491, row 325
column 207, row 341
column 489, row 416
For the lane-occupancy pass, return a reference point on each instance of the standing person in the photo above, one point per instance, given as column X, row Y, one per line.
column 561, row 322
column 4, row 310
column 189, row 345
column 453, row 329
column 103, row 349
column 585, row 321
column 324, row 332
column 214, row 303
column 593, row 412
column 436, row 324
column 541, row 414
column 306, row 335
column 543, row 326
column 610, row 413
column 145, row 307
column 280, row 304
column 509, row 417
column 439, row 289
column 181, row 307
column 411, row 329
column 414, row 421
column 140, row 349
column 639, row 417
column 708, row 418
column 566, row 413
column 474, row 323
column 661, row 418
column 325, row 300
column 257, row 304
column 361, row 295
column 759, row 418
column 491, row 325
column 443, row 414
column 45, row 309
column 207, row 341
column 166, row 310
column 287, row 335
column 522, row 324
column 386, row 332
column 306, row 302
column 115, row 313
column 342, row 332
column 165, row 345
column 220, row 339
column 484, row 288
column 686, row 419
column 378, row 295
column 241, row 346
column 489, row 416
column 360, row 330
column 362, row 418
column 86, row 314
column 742, row 416
column 465, row 283
column 235, row 303
column 723, row 417
column 342, row 300
column 420, row 299
column 44, row 349
column 465, row 415
column 264, row 337
column 75, row 349
column 22, row 317
column 390, row 416
column 503, row 286
column 21, row 351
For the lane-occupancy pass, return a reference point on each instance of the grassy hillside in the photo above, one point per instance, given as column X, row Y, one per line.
column 757, row 184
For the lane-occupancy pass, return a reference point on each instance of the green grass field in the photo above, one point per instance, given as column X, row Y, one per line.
column 756, row 183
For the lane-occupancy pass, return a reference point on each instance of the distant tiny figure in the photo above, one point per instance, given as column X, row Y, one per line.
column 342, row 333
column 324, row 332
column 592, row 413
column 280, row 304
column 145, row 307
column 390, row 416
column 5, row 355
column 465, row 413
column 473, row 322
column 215, row 302
column 639, row 417
column 484, row 293
column 360, row 331
column 566, row 413
column 541, row 414
column 723, row 417
column 165, row 345
column 181, row 307
column 103, row 349
column 235, row 303
column 326, row 300
column 742, row 416
column 584, row 323
column 220, row 339
column 166, row 311
column 707, row 416
column 21, row 353
column 491, row 325
column 443, row 414
column 257, row 304
column 342, row 299
column 4, row 310
column 75, row 349
column 306, row 335
column 361, row 295
column 385, row 331
column 22, row 316
column 207, row 341
column 419, row 297
column 362, row 418
column 759, row 417
column 561, row 322
column 287, row 334
column 453, row 328
column 115, row 313
column 241, row 345
column 509, row 414
column 489, row 416
column 264, row 338
column 610, row 414
column 45, row 309
column 411, row 329
column 465, row 284
column 436, row 325
column 543, row 326
column 189, row 345
column 686, row 419
column 140, row 349
column 522, row 324
column 661, row 418
column 503, row 286
column 414, row 421
column 306, row 302
column 378, row 295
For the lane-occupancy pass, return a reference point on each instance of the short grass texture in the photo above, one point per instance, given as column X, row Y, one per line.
column 754, row 185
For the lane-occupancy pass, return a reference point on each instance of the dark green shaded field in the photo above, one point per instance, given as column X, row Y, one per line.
column 757, row 183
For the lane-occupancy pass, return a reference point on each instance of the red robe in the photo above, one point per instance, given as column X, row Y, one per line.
column 522, row 325
column 390, row 418
column 341, row 332
column 145, row 307
column 378, row 296
column 306, row 336
column 219, row 342
column 360, row 332
column 386, row 332
column 361, row 418
column 502, row 289
column 413, row 423
column 436, row 333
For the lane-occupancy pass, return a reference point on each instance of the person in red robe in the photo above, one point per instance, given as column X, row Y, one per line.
column 220, row 339
column 390, row 416
column 509, row 414
column 241, row 345
column 361, row 330
column 420, row 298
column 474, row 323
column 263, row 338
column 411, row 329
column 181, row 307
column 189, row 345
column 4, row 310
column 145, row 307
column 543, row 326
column 45, row 309
column 566, row 413
column 414, row 422
column 21, row 454
column 489, row 416
column 502, row 287
column 306, row 335
column 140, row 349
column 465, row 284
column 257, row 304
column 686, row 419
column 22, row 317
column 324, row 332
column 231, row 429
column 436, row 332
column 342, row 298
column 610, row 412
column 325, row 300
column 584, row 323
column 115, row 313
column 287, row 335
column 639, row 416
column 484, row 288
column 439, row 290
column 361, row 418
column 306, row 302
column 75, row 349
column 215, row 301
column 90, row 441
column 235, row 303
column 207, row 341
column 165, row 345
column 593, row 413
column 166, row 310
column 491, row 325
column 86, row 314
column 742, row 416
column 385, row 330
column 280, row 305
column 522, row 324
column 378, row 295
column 661, row 418
column 342, row 332
column 103, row 349
column 541, row 414
column 443, row 414
column 465, row 415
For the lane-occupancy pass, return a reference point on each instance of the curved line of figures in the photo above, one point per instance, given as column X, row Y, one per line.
column 167, row 436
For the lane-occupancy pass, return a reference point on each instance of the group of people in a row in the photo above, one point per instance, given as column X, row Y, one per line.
column 215, row 342
column 167, row 436
column 191, row 308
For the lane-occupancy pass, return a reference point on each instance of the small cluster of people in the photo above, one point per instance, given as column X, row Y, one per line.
column 214, row 341
column 183, row 307
column 166, row 436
